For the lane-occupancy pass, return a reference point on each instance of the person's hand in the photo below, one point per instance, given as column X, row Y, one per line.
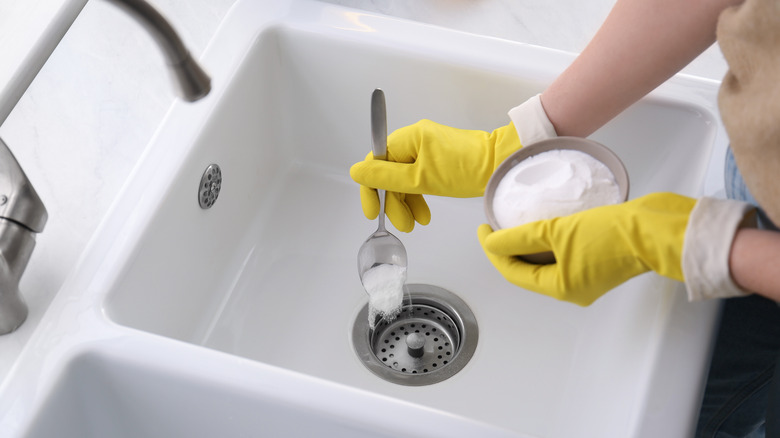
column 433, row 159
column 600, row 248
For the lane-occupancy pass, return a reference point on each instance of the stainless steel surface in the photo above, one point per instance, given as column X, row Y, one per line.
column 16, row 247
column 415, row 344
column 379, row 124
column 210, row 185
column 381, row 247
column 433, row 338
column 192, row 81
column 379, row 142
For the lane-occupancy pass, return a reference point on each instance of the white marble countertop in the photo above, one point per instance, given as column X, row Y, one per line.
column 80, row 128
column 29, row 31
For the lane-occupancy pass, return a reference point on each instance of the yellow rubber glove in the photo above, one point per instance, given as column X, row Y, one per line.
column 596, row 249
column 433, row 159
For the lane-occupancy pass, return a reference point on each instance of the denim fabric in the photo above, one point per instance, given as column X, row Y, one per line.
column 745, row 354
column 737, row 189
column 735, row 398
column 773, row 410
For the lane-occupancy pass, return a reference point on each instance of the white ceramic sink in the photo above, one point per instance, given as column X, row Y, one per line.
column 252, row 302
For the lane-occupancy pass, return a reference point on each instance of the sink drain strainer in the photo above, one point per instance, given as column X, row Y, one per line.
column 210, row 185
column 432, row 338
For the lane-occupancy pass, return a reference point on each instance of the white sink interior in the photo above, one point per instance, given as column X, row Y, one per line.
column 269, row 273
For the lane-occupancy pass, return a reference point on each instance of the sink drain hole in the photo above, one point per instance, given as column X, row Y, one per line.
column 210, row 186
column 429, row 341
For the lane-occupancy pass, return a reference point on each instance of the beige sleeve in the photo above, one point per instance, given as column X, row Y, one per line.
column 749, row 99
column 531, row 121
column 707, row 245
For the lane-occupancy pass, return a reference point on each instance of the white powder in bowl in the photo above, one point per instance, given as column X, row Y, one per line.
column 552, row 184
column 385, row 286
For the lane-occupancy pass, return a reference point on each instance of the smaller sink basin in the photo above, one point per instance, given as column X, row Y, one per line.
column 111, row 391
column 101, row 396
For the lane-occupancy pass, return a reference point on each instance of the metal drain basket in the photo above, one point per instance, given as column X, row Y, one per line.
column 432, row 338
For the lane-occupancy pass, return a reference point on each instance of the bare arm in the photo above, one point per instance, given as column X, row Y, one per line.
column 641, row 44
column 755, row 261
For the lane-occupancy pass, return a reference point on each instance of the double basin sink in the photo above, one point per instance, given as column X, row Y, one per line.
column 236, row 320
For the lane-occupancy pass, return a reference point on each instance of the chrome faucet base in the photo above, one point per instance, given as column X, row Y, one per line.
column 13, row 312
column 22, row 215
column 16, row 247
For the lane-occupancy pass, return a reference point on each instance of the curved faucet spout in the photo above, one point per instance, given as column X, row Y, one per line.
column 191, row 80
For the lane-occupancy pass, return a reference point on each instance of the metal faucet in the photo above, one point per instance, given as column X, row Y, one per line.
column 22, row 213
column 192, row 82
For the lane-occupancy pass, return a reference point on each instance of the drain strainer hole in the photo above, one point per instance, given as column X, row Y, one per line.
column 429, row 341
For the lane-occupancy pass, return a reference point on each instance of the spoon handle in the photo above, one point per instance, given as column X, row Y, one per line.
column 379, row 141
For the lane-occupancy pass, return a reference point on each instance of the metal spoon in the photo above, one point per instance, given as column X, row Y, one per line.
column 380, row 247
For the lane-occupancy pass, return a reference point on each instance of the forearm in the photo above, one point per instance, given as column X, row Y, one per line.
column 641, row 44
column 755, row 261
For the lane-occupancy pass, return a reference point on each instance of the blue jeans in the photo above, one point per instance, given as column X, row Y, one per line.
column 745, row 355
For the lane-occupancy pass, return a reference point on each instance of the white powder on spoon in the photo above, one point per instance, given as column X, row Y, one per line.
column 385, row 286
column 552, row 184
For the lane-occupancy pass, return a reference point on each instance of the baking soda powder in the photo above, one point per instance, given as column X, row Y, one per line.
column 385, row 286
column 552, row 184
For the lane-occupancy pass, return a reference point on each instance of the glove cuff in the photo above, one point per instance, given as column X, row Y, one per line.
column 707, row 245
column 531, row 121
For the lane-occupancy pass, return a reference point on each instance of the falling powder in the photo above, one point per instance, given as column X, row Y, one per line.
column 385, row 286
column 552, row 184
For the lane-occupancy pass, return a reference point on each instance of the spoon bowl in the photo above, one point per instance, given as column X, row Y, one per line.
column 381, row 247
